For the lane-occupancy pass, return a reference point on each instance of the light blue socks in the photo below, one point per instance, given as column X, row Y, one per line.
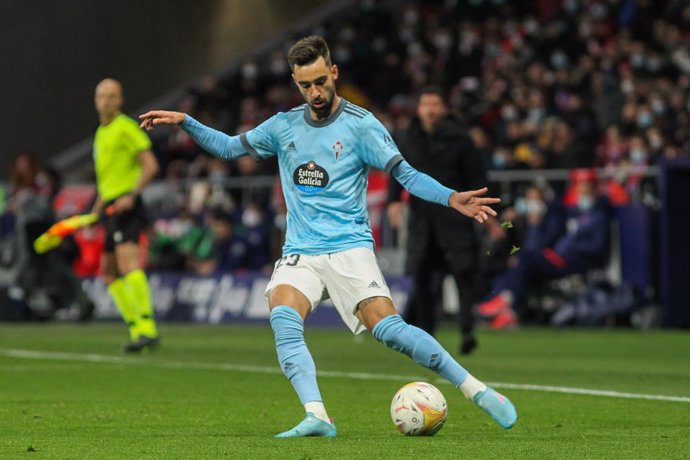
column 293, row 354
column 395, row 333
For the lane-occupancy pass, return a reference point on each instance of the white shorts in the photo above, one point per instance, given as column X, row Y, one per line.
column 346, row 277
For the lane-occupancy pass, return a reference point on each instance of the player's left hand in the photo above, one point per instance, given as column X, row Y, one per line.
column 473, row 205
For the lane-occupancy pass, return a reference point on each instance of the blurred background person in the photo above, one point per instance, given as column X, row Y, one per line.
column 582, row 245
column 124, row 164
column 220, row 249
column 40, row 284
column 440, row 241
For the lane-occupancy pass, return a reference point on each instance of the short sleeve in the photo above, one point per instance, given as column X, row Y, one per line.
column 136, row 138
column 260, row 141
column 377, row 146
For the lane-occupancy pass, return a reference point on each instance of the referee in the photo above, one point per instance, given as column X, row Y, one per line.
column 124, row 164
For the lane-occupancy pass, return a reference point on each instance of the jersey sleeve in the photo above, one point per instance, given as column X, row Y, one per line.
column 260, row 142
column 377, row 146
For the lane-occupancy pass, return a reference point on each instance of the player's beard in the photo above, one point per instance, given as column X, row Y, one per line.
column 325, row 110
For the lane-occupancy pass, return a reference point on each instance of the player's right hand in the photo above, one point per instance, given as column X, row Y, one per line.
column 160, row 117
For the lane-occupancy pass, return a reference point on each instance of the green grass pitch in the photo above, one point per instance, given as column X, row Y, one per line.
column 66, row 391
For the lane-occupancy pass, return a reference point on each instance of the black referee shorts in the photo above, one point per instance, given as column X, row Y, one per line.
column 124, row 226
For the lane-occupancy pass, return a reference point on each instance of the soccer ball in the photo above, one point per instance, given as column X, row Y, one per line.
column 419, row 409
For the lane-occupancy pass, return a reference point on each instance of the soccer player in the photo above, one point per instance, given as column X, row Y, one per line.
column 324, row 148
column 124, row 164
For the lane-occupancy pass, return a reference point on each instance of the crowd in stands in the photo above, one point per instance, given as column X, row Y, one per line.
column 539, row 85
column 545, row 84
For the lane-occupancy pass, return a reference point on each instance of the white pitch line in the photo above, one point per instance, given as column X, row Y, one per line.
column 108, row 359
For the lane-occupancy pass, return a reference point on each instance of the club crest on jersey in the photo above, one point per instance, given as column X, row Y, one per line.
column 310, row 177
column 337, row 148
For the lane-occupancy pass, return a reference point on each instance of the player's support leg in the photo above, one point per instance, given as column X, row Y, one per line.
column 125, row 305
column 298, row 366
column 393, row 332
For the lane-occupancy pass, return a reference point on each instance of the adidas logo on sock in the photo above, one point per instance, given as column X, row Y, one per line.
column 288, row 366
column 290, row 146
column 374, row 284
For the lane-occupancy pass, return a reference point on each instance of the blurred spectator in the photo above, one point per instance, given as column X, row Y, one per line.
column 89, row 242
column 535, row 221
column 582, row 247
column 220, row 250
column 40, row 283
column 256, row 233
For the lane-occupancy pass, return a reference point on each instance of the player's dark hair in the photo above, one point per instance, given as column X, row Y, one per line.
column 307, row 50
column 221, row 215
column 437, row 90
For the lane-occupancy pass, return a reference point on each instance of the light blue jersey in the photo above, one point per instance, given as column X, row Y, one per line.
column 323, row 170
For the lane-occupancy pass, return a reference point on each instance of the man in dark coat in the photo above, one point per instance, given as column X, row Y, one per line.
column 439, row 242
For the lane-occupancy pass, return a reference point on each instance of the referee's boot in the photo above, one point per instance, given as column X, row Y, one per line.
column 142, row 343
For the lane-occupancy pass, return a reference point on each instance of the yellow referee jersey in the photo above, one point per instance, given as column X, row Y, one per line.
column 115, row 154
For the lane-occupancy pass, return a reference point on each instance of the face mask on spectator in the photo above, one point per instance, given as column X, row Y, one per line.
column 493, row 50
column 658, row 106
column 509, row 113
column 644, row 119
column 559, row 60
column 535, row 207
column 571, row 6
column 627, row 86
column 656, row 142
column 638, row 156
column 598, row 11
column 280, row 221
column 342, row 54
column 585, row 203
column 442, row 41
column 536, row 114
column 279, row 66
column 653, row 64
column 637, row 60
column 521, row 206
column 531, row 26
column 250, row 71
column 499, row 160
column 251, row 218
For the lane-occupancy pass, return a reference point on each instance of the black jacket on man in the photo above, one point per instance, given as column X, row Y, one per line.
column 440, row 239
column 449, row 156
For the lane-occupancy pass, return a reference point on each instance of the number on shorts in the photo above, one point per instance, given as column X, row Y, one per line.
column 290, row 260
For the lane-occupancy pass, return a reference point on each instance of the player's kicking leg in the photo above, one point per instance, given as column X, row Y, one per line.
column 379, row 315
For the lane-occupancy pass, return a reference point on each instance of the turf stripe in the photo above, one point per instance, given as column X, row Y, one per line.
column 588, row 392
column 108, row 359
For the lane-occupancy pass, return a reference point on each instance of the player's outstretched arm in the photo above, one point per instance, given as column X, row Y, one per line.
column 214, row 142
column 472, row 204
